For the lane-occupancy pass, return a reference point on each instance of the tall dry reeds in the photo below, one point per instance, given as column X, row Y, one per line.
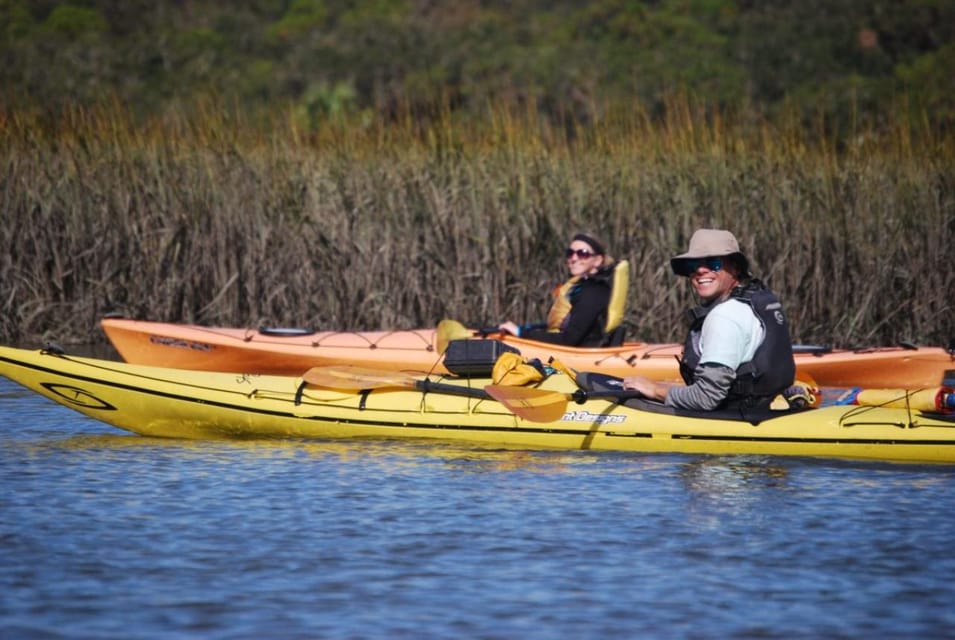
column 212, row 216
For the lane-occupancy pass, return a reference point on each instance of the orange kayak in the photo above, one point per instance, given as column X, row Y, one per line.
column 293, row 351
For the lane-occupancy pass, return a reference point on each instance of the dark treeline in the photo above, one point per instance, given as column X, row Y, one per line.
column 848, row 59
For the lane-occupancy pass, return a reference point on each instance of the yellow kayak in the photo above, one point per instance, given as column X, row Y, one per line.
column 341, row 402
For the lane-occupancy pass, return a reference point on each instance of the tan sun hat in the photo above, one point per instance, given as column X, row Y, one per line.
column 709, row 243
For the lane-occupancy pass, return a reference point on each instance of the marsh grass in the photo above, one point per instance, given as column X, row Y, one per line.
column 211, row 215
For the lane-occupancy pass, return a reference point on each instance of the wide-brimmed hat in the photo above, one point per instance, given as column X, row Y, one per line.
column 710, row 243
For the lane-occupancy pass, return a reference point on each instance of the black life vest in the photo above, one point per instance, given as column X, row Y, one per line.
column 772, row 368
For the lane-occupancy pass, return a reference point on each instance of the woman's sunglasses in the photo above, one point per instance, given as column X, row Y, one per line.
column 581, row 254
column 689, row 267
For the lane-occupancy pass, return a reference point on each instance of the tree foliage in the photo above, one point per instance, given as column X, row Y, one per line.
column 849, row 59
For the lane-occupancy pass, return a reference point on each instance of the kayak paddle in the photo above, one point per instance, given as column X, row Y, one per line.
column 352, row 378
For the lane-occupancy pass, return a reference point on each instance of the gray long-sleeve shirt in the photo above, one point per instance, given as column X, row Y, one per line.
column 711, row 385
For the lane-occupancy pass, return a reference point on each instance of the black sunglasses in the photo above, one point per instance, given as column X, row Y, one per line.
column 582, row 254
column 690, row 266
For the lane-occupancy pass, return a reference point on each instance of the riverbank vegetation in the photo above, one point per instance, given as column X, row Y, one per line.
column 213, row 216
column 384, row 165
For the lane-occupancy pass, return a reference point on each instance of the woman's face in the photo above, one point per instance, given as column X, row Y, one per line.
column 581, row 259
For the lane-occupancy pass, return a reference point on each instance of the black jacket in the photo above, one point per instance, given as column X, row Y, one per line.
column 584, row 325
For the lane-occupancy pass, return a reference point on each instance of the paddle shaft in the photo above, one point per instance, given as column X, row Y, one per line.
column 427, row 386
column 581, row 396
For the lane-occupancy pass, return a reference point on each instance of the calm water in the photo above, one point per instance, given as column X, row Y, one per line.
column 107, row 535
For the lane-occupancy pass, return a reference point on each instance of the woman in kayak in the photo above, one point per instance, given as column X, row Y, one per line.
column 578, row 316
column 738, row 352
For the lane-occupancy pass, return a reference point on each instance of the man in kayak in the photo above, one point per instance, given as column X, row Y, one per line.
column 738, row 352
column 578, row 315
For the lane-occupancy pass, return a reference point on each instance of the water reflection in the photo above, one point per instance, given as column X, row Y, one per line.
column 467, row 457
column 732, row 475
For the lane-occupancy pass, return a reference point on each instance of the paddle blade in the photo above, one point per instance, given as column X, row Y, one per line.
column 449, row 330
column 533, row 405
column 351, row 378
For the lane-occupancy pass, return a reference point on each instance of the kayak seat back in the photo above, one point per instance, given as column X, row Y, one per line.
column 614, row 329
